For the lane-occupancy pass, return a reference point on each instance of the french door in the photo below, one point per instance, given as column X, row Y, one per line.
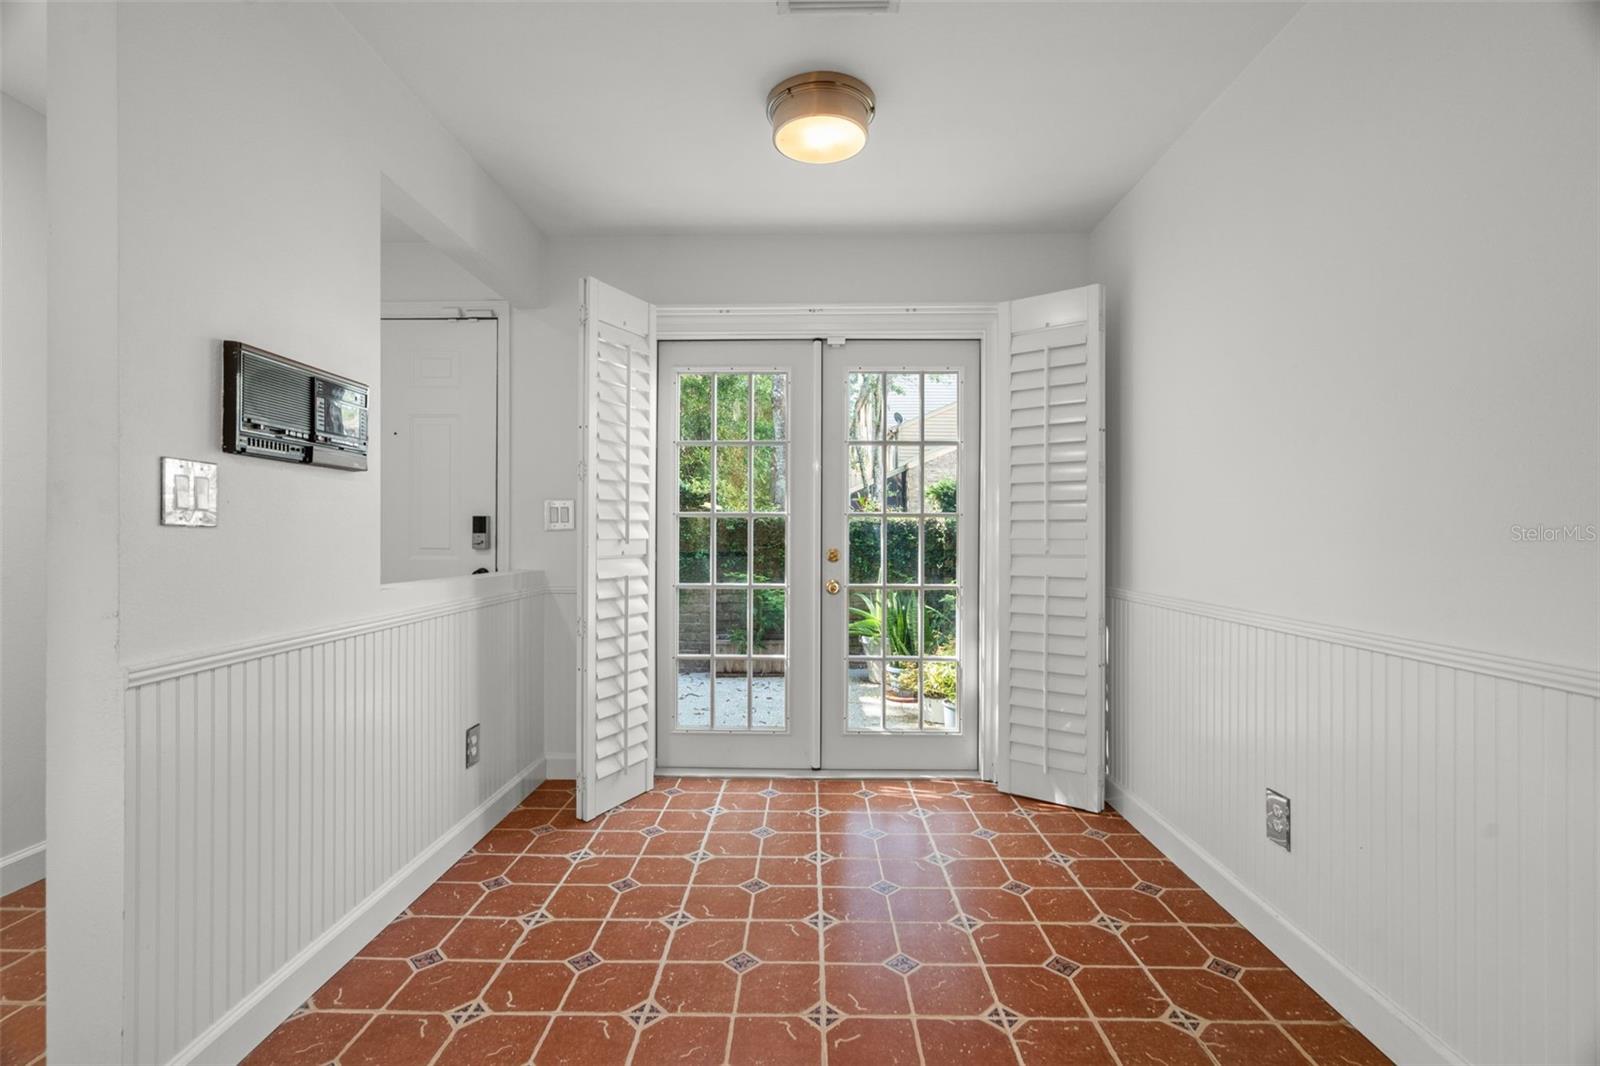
column 816, row 574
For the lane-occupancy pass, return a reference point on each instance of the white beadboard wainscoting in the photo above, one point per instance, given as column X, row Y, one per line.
column 1442, row 888
column 285, row 801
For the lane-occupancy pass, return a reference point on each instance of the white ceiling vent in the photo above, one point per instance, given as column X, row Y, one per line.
column 838, row 7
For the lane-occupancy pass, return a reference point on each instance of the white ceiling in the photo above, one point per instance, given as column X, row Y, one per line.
column 649, row 117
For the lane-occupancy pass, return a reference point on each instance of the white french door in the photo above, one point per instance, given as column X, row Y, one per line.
column 737, row 564
column 818, row 570
column 900, row 549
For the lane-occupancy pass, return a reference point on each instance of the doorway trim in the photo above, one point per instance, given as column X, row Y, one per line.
column 986, row 323
column 500, row 311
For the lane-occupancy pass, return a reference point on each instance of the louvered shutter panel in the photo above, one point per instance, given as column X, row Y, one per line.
column 1052, row 550
column 617, row 621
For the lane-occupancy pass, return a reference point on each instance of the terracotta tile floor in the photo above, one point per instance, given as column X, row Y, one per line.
column 800, row 921
column 22, row 976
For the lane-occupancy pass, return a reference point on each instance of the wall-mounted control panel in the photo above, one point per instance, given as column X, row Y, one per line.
column 276, row 408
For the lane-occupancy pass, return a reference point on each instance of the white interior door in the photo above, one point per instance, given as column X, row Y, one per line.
column 1048, row 495
column 737, row 562
column 617, row 518
column 439, row 426
column 900, row 594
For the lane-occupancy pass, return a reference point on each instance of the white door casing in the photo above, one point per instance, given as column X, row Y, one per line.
column 617, row 523
column 1050, row 496
column 438, row 445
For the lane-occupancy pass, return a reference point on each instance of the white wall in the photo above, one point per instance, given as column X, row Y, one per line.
column 23, row 250
column 1353, row 337
column 413, row 270
column 725, row 271
column 218, row 174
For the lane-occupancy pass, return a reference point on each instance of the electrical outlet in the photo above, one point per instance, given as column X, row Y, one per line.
column 1278, row 819
column 472, row 746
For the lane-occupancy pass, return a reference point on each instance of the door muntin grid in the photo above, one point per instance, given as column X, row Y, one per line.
column 731, row 656
column 902, row 471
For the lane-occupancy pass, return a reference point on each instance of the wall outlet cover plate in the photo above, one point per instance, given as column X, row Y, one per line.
column 188, row 492
column 1278, row 819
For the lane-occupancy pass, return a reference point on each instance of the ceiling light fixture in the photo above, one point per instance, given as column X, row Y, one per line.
column 820, row 116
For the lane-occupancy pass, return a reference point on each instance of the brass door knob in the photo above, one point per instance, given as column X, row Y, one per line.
column 832, row 586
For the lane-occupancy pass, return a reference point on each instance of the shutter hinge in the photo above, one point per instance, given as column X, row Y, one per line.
column 583, row 625
column 582, row 469
column 583, row 314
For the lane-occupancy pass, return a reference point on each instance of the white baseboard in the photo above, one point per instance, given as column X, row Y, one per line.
column 21, row 868
column 237, row 1032
column 561, row 765
column 1395, row 1033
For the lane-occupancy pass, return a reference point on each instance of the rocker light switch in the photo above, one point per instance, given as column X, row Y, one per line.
column 558, row 514
column 188, row 492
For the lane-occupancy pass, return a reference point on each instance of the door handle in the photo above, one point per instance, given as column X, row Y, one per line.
column 832, row 586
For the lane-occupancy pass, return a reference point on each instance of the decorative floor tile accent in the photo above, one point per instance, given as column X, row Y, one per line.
column 580, row 963
column 470, row 1013
column 781, row 943
column 422, row 961
column 1182, row 1019
column 1003, row 1018
column 817, row 812
column 1226, row 969
column 902, row 963
column 494, row 883
column 1064, row 967
column 644, row 1015
column 824, row 1016
column 741, row 962
column 714, row 811
column 541, row 830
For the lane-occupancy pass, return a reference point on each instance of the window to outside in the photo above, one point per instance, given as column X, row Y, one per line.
column 733, row 544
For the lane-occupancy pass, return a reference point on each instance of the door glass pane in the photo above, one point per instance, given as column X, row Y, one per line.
column 866, row 406
column 771, row 480
column 733, row 478
column 903, row 478
column 771, row 407
column 865, row 477
column 733, row 631
column 901, row 673
column 733, row 406
column 901, row 552
column 902, row 708
column 866, row 550
column 694, row 550
column 939, row 408
column 771, row 535
column 732, row 707
column 733, row 552
column 732, row 598
column 903, row 407
column 694, row 479
column 694, row 407
column 941, row 551
column 694, row 621
column 694, row 693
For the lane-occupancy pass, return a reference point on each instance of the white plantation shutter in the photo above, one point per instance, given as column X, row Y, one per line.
column 1052, row 549
column 616, row 626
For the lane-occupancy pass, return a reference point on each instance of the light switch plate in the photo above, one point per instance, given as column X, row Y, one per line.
column 188, row 492
column 559, row 514
column 1278, row 819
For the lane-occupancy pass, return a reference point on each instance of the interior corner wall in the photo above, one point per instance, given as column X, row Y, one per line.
column 1354, row 435
column 775, row 270
column 285, row 734
column 417, row 271
column 23, row 254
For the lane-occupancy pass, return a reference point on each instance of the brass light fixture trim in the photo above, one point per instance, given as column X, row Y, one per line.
column 820, row 116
